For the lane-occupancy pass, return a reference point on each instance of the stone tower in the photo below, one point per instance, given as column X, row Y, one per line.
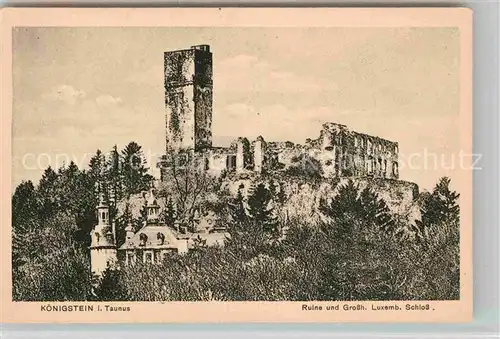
column 103, row 246
column 188, row 99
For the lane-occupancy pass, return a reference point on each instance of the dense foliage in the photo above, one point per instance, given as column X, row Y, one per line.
column 51, row 223
column 356, row 253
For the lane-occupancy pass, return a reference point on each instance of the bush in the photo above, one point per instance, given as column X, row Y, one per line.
column 354, row 255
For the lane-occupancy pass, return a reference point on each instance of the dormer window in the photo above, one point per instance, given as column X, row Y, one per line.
column 143, row 239
column 161, row 238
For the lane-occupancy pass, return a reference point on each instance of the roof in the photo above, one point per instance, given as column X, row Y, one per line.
column 152, row 241
column 172, row 238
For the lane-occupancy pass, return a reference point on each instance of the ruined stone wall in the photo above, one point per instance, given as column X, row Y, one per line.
column 286, row 153
column 346, row 153
column 221, row 159
column 398, row 195
column 303, row 198
column 341, row 153
column 337, row 153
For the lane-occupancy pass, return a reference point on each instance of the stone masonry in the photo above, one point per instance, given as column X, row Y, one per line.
column 338, row 151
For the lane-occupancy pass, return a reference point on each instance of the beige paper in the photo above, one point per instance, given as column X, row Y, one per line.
column 388, row 91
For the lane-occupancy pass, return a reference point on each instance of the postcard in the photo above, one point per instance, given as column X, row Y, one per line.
column 222, row 165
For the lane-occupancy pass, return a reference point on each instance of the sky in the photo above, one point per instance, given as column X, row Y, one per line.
column 77, row 90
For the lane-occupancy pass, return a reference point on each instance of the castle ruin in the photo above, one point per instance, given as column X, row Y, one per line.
column 338, row 151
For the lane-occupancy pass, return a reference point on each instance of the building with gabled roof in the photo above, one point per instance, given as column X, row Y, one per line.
column 154, row 240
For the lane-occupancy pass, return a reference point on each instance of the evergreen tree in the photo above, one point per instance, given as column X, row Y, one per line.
column 46, row 192
column 67, row 186
column 376, row 210
column 121, row 222
column 169, row 214
column 134, row 171
column 84, row 201
column 97, row 166
column 353, row 212
column 441, row 205
column 25, row 207
column 344, row 210
column 260, row 210
column 114, row 175
column 439, row 209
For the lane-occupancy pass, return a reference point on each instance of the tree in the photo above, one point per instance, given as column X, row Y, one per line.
column 121, row 223
column 438, row 238
column 47, row 182
column 343, row 210
column 376, row 210
column 260, row 209
column 353, row 212
column 46, row 193
column 169, row 214
column 97, row 166
column 441, row 205
column 134, row 171
column 114, row 175
column 66, row 186
column 84, row 202
column 53, row 267
column 25, row 207
column 188, row 183
column 110, row 287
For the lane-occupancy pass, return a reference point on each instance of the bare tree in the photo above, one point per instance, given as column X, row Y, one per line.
column 188, row 182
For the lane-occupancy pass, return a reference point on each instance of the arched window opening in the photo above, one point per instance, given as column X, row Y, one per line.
column 395, row 169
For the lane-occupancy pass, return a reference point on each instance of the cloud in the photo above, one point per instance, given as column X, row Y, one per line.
column 274, row 122
column 75, row 97
column 152, row 76
column 244, row 73
column 65, row 93
column 108, row 100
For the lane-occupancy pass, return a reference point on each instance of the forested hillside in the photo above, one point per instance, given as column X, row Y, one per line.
column 358, row 250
